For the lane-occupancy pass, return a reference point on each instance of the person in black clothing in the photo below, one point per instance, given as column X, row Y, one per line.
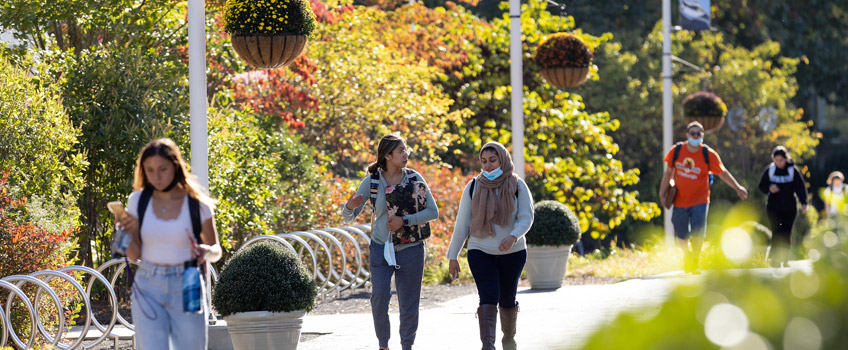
column 784, row 184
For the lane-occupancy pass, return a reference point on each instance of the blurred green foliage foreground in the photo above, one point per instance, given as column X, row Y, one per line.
column 752, row 309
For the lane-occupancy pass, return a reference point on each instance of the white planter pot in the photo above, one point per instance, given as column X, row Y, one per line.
column 265, row 330
column 546, row 265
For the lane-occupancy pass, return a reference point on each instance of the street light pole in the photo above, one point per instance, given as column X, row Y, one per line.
column 667, row 104
column 197, row 108
column 197, row 90
column 517, row 80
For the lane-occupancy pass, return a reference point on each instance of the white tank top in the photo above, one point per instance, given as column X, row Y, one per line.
column 166, row 242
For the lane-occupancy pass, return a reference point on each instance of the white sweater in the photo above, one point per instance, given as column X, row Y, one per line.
column 522, row 219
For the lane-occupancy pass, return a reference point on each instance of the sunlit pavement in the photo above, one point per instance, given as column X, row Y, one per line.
column 550, row 319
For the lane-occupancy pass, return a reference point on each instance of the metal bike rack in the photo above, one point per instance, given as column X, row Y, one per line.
column 344, row 271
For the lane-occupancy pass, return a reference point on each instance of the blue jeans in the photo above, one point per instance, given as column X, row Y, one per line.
column 408, row 283
column 690, row 221
column 496, row 276
column 157, row 311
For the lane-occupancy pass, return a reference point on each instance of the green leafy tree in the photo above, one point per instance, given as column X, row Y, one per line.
column 569, row 153
column 120, row 99
column 747, row 80
column 264, row 179
column 38, row 140
column 367, row 90
column 76, row 25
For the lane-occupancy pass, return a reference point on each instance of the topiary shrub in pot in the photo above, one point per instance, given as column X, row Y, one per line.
column 706, row 108
column 555, row 229
column 264, row 286
column 565, row 60
column 269, row 33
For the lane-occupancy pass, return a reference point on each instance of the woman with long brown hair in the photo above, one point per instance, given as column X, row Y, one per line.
column 165, row 211
column 406, row 260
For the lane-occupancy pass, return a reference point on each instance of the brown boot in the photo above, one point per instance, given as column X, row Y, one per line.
column 508, row 318
column 487, row 316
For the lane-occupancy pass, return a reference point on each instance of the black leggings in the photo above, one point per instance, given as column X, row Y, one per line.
column 781, row 232
column 496, row 276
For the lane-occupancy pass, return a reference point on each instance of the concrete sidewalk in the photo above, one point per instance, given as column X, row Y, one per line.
column 553, row 319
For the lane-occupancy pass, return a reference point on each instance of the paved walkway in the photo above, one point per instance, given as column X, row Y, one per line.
column 553, row 319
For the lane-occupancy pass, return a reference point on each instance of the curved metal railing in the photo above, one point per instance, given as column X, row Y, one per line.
column 337, row 258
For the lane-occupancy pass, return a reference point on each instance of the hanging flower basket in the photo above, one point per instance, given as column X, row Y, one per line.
column 565, row 60
column 269, row 33
column 268, row 51
column 705, row 108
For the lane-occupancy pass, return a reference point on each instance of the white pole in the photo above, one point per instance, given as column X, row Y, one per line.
column 517, row 104
column 197, row 90
column 667, row 104
column 197, row 107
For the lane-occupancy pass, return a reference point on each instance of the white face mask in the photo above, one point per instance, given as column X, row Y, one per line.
column 494, row 174
column 389, row 254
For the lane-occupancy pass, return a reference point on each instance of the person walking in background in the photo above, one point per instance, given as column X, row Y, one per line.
column 162, row 238
column 834, row 195
column 495, row 212
column 690, row 168
column 404, row 261
column 784, row 185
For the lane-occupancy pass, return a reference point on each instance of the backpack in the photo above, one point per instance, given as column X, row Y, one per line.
column 408, row 234
column 375, row 183
column 474, row 182
column 704, row 149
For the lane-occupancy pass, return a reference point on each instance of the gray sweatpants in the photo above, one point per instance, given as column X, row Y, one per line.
column 408, row 283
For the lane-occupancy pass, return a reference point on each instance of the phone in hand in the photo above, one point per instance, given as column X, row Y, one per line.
column 116, row 208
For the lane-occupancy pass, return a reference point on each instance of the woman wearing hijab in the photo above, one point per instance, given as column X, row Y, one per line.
column 495, row 212
column 785, row 187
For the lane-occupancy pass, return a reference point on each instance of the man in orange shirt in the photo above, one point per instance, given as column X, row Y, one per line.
column 689, row 166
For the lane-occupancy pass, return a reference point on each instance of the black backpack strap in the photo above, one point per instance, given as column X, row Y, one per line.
column 375, row 187
column 194, row 212
column 146, row 194
column 706, row 150
column 676, row 155
column 411, row 176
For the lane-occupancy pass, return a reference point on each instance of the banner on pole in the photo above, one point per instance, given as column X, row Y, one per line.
column 695, row 14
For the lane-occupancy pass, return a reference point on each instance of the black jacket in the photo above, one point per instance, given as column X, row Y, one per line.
column 784, row 200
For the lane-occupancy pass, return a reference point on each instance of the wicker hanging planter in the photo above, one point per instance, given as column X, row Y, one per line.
column 565, row 60
column 269, row 34
column 269, row 51
column 567, row 77
column 705, row 108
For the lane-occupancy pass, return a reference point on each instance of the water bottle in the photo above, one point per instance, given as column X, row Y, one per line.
column 121, row 242
column 192, row 290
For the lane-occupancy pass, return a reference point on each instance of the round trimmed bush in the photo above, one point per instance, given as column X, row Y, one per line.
column 702, row 104
column 554, row 225
column 563, row 50
column 264, row 276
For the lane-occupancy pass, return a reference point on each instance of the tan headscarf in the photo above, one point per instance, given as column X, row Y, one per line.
column 488, row 208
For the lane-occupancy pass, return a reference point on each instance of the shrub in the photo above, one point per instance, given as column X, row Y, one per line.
column 269, row 17
column 702, row 104
column 264, row 276
column 563, row 50
column 554, row 225
column 266, row 180
column 37, row 138
column 120, row 99
column 27, row 247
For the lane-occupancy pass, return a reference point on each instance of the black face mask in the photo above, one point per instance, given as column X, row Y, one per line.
column 172, row 185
